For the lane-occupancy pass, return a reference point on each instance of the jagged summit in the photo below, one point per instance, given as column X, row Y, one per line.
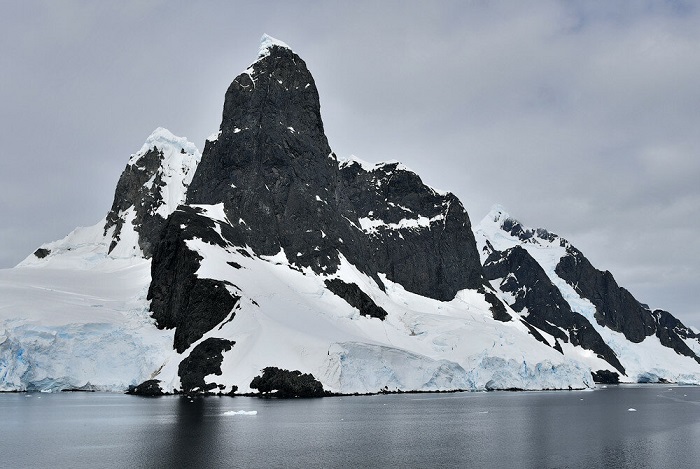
column 267, row 42
column 153, row 184
column 166, row 141
column 497, row 223
column 496, row 214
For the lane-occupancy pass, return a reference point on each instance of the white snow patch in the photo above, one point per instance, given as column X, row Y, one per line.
column 370, row 225
column 267, row 42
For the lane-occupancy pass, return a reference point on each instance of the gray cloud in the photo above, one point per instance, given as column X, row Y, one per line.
column 577, row 116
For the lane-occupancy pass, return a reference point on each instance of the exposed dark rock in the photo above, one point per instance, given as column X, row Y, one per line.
column 271, row 162
column 356, row 298
column 498, row 310
column 282, row 188
column 514, row 228
column 286, row 384
column 42, row 252
column 132, row 192
column 204, row 360
column 671, row 333
column 419, row 238
column 606, row 377
column 535, row 333
column 557, row 347
column 149, row 388
column 179, row 298
column 527, row 282
column 616, row 308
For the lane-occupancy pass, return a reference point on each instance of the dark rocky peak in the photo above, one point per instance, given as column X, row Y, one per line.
column 283, row 189
column 271, row 165
column 674, row 334
column 180, row 299
column 150, row 188
column 617, row 309
column 271, row 124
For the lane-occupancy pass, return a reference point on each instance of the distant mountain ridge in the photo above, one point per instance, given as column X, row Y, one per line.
column 554, row 286
column 266, row 253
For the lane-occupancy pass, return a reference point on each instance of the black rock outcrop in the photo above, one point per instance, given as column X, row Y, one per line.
column 533, row 292
column 133, row 193
column 616, row 308
column 179, row 298
column 286, row 384
column 42, row 252
column 671, row 333
column 356, row 298
column 205, row 359
column 606, row 377
column 149, row 388
column 398, row 226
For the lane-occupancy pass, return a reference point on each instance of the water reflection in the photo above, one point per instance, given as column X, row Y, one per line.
column 183, row 433
column 550, row 429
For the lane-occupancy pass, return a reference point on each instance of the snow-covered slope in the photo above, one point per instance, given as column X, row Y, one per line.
column 287, row 317
column 70, row 327
column 665, row 350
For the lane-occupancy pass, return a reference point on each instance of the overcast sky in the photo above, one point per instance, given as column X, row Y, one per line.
column 580, row 117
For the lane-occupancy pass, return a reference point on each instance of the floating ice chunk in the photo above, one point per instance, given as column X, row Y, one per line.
column 241, row 412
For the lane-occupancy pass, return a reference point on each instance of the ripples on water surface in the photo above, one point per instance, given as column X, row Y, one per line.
column 499, row 429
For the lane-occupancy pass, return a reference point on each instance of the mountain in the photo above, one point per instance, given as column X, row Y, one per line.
column 74, row 314
column 555, row 288
column 266, row 263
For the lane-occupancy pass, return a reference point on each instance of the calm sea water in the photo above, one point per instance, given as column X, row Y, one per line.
column 498, row 429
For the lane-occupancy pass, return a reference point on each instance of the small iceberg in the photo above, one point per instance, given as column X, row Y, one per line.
column 241, row 412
